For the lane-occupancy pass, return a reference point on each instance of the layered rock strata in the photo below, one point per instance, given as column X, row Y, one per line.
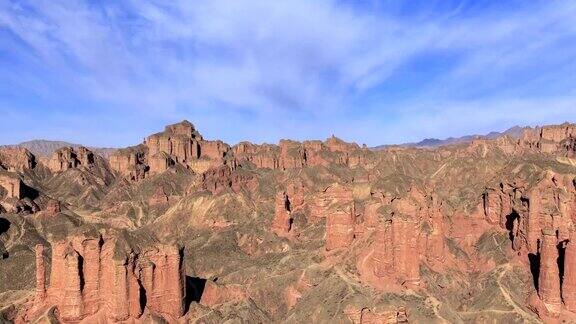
column 92, row 275
column 70, row 158
column 540, row 220
column 282, row 223
column 16, row 159
column 408, row 231
column 12, row 184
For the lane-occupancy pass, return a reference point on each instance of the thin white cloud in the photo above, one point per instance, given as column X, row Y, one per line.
column 278, row 59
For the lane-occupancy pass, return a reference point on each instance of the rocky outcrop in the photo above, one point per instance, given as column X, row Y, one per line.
column 219, row 179
column 294, row 155
column 40, row 296
column 526, row 209
column 282, row 222
column 102, row 275
column 408, row 231
column 396, row 252
column 184, row 145
column 70, row 158
column 129, row 162
column 549, row 278
column 539, row 219
column 330, row 198
column 181, row 141
column 550, row 139
column 159, row 163
column 336, row 204
column 15, row 196
column 16, row 159
column 340, row 228
column 262, row 156
column 12, row 184
column 178, row 144
column 569, row 279
column 214, row 150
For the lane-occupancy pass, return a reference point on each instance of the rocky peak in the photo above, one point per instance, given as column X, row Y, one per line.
column 184, row 128
column 70, row 158
column 16, row 159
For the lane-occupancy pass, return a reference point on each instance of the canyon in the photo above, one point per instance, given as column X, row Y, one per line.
column 182, row 229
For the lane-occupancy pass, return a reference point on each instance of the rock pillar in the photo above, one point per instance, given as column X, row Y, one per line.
column 569, row 282
column 549, row 279
column 40, row 297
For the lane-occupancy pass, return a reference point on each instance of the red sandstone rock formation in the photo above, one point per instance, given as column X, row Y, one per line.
column 16, row 159
column 180, row 144
column 178, row 140
column 396, row 257
column 524, row 212
column 70, row 158
column 282, row 222
column 549, row 139
column 292, row 155
column 219, row 179
column 336, row 204
column 569, row 280
column 549, row 278
column 129, row 162
column 539, row 219
column 214, row 150
column 40, row 297
column 334, row 195
column 13, row 194
column 183, row 144
column 12, row 184
column 412, row 233
column 94, row 275
column 159, row 163
column 262, row 156
column 340, row 228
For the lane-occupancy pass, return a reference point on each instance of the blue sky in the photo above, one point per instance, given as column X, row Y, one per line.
column 109, row 72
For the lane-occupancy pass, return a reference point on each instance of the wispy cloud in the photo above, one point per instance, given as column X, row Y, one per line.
column 261, row 70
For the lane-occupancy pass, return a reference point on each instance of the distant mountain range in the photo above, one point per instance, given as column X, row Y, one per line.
column 46, row 148
column 514, row 132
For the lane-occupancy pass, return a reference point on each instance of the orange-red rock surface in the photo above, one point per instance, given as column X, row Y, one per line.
column 99, row 276
column 313, row 231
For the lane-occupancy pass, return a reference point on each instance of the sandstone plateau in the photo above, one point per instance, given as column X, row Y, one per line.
column 182, row 229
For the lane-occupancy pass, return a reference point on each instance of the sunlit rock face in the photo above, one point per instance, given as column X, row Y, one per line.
column 92, row 276
column 16, row 159
column 70, row 158
column 298, row 231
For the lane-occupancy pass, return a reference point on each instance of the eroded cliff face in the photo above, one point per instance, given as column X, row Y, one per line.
column 311, row 231
column 282, row 223
column 179, row 144
column 16, row 159
column 103, row 278
column 407, row 232
column 15, row 195
column 293, row 155
column 130, row 162
column 70, row 158
column 551, row 139
column 540, row 220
